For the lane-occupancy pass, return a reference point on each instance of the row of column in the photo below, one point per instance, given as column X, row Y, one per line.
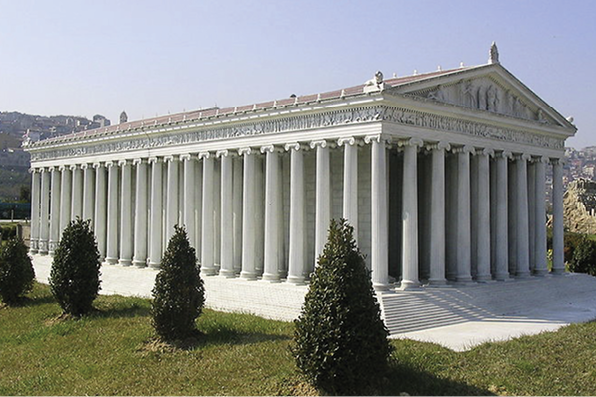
column 129, row 220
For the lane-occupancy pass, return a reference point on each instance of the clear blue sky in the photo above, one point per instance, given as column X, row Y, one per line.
column 153, row 57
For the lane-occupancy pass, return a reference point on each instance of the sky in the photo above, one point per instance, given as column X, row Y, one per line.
column 157, row 57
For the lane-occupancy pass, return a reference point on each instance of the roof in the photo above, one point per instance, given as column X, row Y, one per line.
column 203, row 114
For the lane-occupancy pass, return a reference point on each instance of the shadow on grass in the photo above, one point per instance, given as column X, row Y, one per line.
column 27, row 301
column 128, row 311
column 415, row 382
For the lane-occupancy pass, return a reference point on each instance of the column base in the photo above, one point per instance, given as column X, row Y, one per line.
column 227, row 273
column 248, row 275
column 296, row 280
column 464, row 280
column 408, row 285
column 273, row 278
column 207, row 271
column 438, row 282
column 139, row 263
column 523, row 275
column 111, row 261
column 540, row 272
column 381, row 286
column 558, row 272
column 154, row 265
column 33, row 251
column 125, row 262
column 502, row 277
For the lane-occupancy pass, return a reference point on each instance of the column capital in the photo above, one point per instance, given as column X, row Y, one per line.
column 485, row 152
column 543, row 160
column 154, row 160
column 464, row 149
column 271, row 149
column 349, row 140
column 204, row 155
column 295, row 146
column 377, row 138
column 522, row 156
column 187, row 157
column 139, row 161
column 109, row 164
column 504, row 154
column 74, row 167
column 441, row 145
column 320, row 143
column 98, row 165
column 244, row 150
column 33, row 170
column 558, row 161
column 415, row 141
column 86, row 165
column 122, row 163
column 62, row 167
column 53, row 168
column 170, row 158
column 223, row 153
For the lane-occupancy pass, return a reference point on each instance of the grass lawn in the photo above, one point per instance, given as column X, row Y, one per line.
column 112, row 352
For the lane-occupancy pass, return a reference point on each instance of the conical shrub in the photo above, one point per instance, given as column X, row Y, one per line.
column 178, row 294
column 16, row 271
column 341, row 343
column 74, row 278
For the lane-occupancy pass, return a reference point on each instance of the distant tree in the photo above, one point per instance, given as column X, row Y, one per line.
column 584, row 257
column 74, row 278
column 341, row 343
column 178, row 294
column 16, row 270
column 25, row 194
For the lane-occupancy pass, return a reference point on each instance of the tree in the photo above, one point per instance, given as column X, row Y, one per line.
column 584, row 257
column 16, row 271
column 74, row 278
column 178, row 294
column 341, row 343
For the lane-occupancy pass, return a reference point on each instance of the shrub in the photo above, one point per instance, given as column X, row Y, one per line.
column 16, row 270
column 341, row 343
column 74, row 278
column 8, row 231
column 178, row 294
column 584, row 257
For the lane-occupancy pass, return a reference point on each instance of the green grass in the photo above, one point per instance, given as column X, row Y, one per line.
column 113, row 352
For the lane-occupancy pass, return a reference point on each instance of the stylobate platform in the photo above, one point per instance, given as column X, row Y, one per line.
column 457, row 317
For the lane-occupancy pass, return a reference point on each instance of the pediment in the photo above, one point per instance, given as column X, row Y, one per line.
column 488, row 88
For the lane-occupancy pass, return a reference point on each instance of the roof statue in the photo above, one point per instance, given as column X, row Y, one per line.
column 123, row 117
column 493, row 54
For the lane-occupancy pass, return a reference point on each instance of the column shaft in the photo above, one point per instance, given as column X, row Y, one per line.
column 65, row 197
column 464, row 237
column 35, row 193
column 273, row 254
column 126, row 225
column 88, row 192
column 248, row 216
column 523, row 258
column 226, row 209
column 44, row 221
column 482, row 226
column 237, row 219
column 350, row 194
column 323, row 196
column 189, row 197
column 100, row 215
column 437, row 229
column 502, row 228
column 172, row 196
column 112, row 223
column 410, row 216
column 77, row 192
column 55, row 211
column 207, row 227
column 558, row 235
column 296, row 263
column 156, row 227
column 540, row 218
column 379, row 215
column 141, row 212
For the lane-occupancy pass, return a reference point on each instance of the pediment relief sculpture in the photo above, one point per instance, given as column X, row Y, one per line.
column 484, row 94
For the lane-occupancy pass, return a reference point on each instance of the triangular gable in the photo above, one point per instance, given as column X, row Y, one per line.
column 488, row 88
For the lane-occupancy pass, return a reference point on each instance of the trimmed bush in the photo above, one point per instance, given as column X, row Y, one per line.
column 16, row 270
column 8, row 231
column 178, row 294
column 584, row 257
column 341, row 343
column 74, row 278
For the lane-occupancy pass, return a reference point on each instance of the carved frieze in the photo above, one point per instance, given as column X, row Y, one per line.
column 303, row 122
column 483, row 94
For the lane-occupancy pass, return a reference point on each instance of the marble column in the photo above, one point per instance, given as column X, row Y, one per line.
column 208, row 226
column 172, row 196
column 190, row 204
column 126, row 222
column 112, row 223
column 54, row 211
column 297, row 258
column 141, row 211
column 226, row 261
column 540, row 267
column 248, row 215
column 350, row 193
column 100, row 215
column 65, row 197
column 35, row 193
column 437, row 229
column 501, row 227
column 531, row 174
column 464, row 237
column 558, row 244
column 88, row 192
column 323, row 195
column 410, row 215
column 273, row 203
column 523, row 253
column 482, row 226
column 44, row 221
column 379, row 213
column 77, row 192
column 156, row 227
column 237, row 219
